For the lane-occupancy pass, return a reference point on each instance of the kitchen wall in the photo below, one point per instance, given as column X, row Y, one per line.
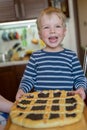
column 70, row 39
column 19, row 32
column 30, row 26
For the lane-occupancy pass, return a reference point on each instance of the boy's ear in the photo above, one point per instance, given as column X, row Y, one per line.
column 65, row 31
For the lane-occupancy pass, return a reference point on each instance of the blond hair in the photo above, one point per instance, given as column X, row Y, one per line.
column 49, row 11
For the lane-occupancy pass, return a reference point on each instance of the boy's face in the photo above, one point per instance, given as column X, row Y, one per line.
column 52, row 31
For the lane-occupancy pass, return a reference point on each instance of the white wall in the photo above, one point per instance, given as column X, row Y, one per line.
column 70, row 38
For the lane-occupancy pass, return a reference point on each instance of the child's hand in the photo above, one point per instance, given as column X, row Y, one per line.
column 81, row 92
column 19, row 94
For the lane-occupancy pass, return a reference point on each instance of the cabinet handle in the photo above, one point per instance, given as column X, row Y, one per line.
column 23, row 10
column 17, row 11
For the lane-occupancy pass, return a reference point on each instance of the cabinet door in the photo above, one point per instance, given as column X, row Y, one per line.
column 9, row 10
column 19, row 70
column 31, row 8
column 8, row 87
column 82, row 18
column 13, row 10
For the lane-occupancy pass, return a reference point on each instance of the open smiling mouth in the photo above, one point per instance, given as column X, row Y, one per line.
column 53, row 39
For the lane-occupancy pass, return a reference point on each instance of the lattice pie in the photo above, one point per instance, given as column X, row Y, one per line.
column 45, row 109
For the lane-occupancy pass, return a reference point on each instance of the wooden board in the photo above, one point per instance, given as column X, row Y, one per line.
column 81, row 125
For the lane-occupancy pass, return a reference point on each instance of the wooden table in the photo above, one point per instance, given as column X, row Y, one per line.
column 81, row 125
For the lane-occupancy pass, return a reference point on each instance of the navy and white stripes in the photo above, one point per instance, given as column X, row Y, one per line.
column 53, row 70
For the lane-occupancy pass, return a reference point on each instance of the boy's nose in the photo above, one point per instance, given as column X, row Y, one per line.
column 52, row 30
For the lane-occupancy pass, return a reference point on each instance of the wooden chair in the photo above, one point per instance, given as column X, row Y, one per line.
column 85, row 69
column 85, row 62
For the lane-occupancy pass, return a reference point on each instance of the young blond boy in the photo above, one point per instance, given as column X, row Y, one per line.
column 53, row 67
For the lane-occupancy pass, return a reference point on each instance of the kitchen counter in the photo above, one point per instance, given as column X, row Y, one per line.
column 11, row 63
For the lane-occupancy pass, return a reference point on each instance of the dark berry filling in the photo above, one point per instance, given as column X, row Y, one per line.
column 52, row 116
column 35, row 116
column 38, row 108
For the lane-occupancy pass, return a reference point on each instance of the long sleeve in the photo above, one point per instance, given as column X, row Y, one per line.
column 78, row 73
column 27, row 81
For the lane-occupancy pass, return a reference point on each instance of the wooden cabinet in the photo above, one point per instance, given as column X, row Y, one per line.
column 82, row 18
column 8, row 85
column 13, row 10
column 19, row 70
column 7, row 10
column 31, row 8
column 9, row 80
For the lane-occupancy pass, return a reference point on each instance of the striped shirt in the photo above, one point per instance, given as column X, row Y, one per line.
column 53, row 70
